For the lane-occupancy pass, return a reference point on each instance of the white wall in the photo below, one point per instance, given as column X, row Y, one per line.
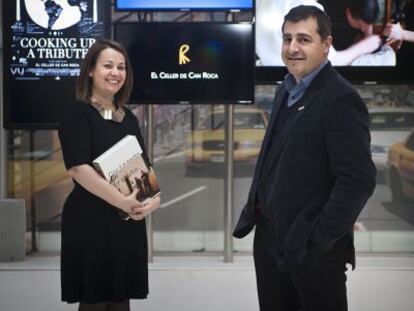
column 198, row 284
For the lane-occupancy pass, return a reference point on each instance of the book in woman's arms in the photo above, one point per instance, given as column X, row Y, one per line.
column 125, row 168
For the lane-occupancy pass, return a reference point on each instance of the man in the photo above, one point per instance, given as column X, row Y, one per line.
column 313, row 176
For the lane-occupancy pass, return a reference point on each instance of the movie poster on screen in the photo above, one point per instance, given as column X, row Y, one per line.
column 49, row 38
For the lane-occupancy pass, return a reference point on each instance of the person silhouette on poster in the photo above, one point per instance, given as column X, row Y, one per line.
column 53, row 10
column 62, row 14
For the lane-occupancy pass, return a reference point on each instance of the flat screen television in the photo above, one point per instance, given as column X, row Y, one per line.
column 190, row 62
column 382, row 64
column 182, row 5
column 44, row 44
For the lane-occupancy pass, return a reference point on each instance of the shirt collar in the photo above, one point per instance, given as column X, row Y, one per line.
column 304, row 83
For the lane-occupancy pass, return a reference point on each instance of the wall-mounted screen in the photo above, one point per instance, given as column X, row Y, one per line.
column 373, row 40
column 190, row 62
column 179, row 5
column 44, row 44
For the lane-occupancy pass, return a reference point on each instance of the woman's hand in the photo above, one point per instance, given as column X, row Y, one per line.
column 88, row 178
column 395, row 33
column 130, row 203
column 146, row 208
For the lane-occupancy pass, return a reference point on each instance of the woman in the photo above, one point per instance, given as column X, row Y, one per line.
column 354, row 42
column 103, row 257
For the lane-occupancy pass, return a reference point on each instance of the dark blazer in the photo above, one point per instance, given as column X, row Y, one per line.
column 319, row 173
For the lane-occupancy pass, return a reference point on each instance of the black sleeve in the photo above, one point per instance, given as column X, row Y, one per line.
column 347, row 140
column 75, row 138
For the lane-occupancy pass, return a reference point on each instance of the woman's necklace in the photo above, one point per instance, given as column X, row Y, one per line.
column 115, row 113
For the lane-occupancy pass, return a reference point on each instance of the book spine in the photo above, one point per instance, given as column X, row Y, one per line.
column 99, row 169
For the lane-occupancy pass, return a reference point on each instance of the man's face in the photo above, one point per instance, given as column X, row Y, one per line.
column 303, row 50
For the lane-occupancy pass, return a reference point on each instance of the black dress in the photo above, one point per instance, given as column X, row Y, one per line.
column 103, row 258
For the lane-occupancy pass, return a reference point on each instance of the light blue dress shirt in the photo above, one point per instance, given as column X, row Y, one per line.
column 296, row 90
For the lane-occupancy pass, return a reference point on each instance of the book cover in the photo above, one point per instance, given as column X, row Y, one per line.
column 125, row 168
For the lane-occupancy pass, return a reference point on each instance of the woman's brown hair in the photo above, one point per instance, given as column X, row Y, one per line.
column 84, row 81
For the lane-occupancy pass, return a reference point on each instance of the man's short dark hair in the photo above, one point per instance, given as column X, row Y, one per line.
column 303, row 12
column 366, row 10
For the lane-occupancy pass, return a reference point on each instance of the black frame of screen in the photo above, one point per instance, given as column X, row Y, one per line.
column 197, row 102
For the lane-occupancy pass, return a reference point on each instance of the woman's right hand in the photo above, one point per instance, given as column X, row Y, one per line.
column 395, row 33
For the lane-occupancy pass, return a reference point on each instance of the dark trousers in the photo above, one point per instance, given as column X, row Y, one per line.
column 317, row 284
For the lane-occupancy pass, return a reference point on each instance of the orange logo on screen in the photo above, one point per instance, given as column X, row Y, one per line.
column 182, row 58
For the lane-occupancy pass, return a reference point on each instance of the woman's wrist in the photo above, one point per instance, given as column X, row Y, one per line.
column 123, row 203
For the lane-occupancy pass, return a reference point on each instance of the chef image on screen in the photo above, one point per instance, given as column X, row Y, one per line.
column 354, row 43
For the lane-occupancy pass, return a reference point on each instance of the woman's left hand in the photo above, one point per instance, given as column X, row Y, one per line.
column 148, row 206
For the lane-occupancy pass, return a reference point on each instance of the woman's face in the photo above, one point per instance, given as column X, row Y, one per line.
column 109, row 73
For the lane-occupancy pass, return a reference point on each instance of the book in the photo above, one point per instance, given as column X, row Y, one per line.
column 125, row 168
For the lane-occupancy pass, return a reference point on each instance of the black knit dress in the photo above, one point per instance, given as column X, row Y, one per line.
column 103, row 258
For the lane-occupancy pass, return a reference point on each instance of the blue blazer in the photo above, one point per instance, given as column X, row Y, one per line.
column 321, row 171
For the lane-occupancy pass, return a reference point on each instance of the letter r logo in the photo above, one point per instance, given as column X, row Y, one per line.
column 182, row 58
